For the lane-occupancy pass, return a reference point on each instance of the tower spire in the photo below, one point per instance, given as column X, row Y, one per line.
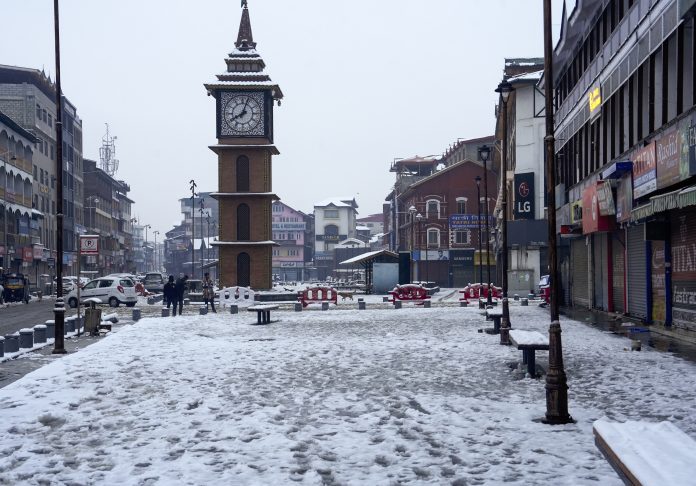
column 245, row 38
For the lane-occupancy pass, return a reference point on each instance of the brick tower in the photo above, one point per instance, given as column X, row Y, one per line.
column 245, row 98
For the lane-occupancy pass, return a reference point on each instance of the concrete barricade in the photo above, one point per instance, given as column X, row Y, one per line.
column 324, row 306
column 397, row 304
column 12, row 343
column 426, row 304
column 234, row 309
column 165, row 311
column 298, row 306
column 40, row 333
column 525, row 303
column 69, row 325
column 26, row 338
column 137, row 313
column 463, row 303
column 361, row 304
column 202, row 310
column 50, row 329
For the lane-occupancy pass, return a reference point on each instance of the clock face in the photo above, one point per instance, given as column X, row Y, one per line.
column 242, row 114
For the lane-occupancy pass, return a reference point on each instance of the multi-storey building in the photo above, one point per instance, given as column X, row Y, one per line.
column 18, row 246
column 626, row 157
column 28, row 97
column 526, row 215
column 334, row 221
column 288, row 226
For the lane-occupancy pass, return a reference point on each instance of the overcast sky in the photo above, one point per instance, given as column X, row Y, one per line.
column 364, row 82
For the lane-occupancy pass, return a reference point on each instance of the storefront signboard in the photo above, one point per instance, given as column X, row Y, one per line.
column 657, row 276
column 605, row 199
column 524, row 196
column 644, row 171
column 688, row 147
column 624, row 199
column 592, row 221
column 668, row 151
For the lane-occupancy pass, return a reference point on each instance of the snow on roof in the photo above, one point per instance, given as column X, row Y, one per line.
column 362, row 228
column 533, row 76
column 341, row 202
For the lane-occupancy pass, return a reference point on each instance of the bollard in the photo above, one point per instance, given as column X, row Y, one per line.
column 360, row 299
column 40, row 333
column 482, row 304
column 26, row 338
column 525, row 303
column 202, row 310
column 463, row 303
column 234, row 309
column 136, row 315
column 2, row 346
column 516, row 297
column 397, row 304
column 187, row 301
column 11, row 343
column 426, row 304
column 298, row 306
column 69, row 325
column 385, row 299
column 150, row 301
column 165, row 311
column 50, row 329
column 361, row 304
column 324, row 306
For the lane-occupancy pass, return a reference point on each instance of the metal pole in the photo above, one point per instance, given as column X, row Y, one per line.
column 489, row 300
column 201, row 212
column 6, row 257
column 556, row 383
column 59, row 309
column 193, row 228
column 505, row 321
column 480, row 241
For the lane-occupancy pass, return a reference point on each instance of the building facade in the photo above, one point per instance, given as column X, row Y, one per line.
column 334, row 222
column 289, row 229
column 626, row 158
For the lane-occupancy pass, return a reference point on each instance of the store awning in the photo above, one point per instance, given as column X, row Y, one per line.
column 642, row 212
column 617, row 170
column 665, row 202
column 687, row 197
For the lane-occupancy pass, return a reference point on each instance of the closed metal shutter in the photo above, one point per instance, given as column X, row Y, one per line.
column 618, row 265
column 637, row 287
column 599, row 256
column 684, row 269
column 579, row 273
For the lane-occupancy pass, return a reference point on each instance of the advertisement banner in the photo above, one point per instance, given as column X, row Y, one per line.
column 38, row 252
column 657, row 276
column 468, row 221
column 624, row 199
column 688, row 147
column 27, row 254
column 668, row 155
column 434, row 255
column 644, row 171
column 524, row 196
column 605, row 199
column 592, row 221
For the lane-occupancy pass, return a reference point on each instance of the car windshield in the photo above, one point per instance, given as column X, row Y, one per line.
column 126, row 282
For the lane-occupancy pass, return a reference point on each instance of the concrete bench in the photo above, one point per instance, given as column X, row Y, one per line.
column 529, row 342
column 263, row 312
column 647, row 453
column 496, row 315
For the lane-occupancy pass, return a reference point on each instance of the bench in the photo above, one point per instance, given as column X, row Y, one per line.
column 318, row 295
column 496, row 315
column 479, row 291
column 529, row 342
column 263, row 312
column 409, row 293
column 647, row 453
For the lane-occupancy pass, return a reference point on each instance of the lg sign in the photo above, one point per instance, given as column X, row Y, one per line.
column 524, row 199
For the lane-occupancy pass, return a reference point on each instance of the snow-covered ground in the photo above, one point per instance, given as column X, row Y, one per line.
column 353, row 397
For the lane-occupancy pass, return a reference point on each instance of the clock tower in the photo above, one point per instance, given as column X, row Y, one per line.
column 245, row 98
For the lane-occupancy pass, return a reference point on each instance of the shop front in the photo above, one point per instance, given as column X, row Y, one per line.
column 598, row 223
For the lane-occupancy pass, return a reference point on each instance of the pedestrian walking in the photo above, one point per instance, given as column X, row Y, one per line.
column 209, row 292
column 180, row 288
column 170, row 292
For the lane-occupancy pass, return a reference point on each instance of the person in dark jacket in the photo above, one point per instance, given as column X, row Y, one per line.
column 180, row 288
column 170, row 292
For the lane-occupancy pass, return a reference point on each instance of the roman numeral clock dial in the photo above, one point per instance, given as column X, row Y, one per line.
column 242, row 114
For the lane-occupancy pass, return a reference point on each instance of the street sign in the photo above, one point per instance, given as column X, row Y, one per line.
column 89, row 245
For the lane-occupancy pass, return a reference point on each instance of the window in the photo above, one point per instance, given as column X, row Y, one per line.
column 292, row 252
column 38, row 111
column 276, row 253
column 36, row 172
column 331, row 213
column 461, row 205
column 432, row 209
column 53, row 152
column 44, row 113
column 331, row 230
column 433, row 238
column 243, row 223
column 242, row 173
column 50, row 120
column 462, row 237
column 277, row 208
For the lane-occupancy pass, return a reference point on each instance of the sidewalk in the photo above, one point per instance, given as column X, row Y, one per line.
column 359, row 397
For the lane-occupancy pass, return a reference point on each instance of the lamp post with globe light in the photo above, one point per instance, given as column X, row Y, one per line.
column 484, row 153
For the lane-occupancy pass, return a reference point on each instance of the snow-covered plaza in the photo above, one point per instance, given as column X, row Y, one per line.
column 379, row 396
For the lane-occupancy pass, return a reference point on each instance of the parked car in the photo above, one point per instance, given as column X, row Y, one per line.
column 109, row 290
column 154, row 282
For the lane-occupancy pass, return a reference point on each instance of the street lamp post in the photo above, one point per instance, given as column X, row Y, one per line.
column 147, row 226
column 556, row 383
column 156, row 269
column 200, row 211
column 59, row 308
column 484, row 153
column 480, row 241
column 505, row 88
column 193, row 227
column 6, row 256
column 207, row 245
column 412, row 213
column 419, row 219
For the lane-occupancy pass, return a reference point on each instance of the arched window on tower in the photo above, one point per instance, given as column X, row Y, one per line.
column 243, row 270
column 242, row 173
column 243, row 223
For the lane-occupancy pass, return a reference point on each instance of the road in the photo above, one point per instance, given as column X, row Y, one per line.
column 17, row 316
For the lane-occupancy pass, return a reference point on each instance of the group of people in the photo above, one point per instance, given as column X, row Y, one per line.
column 174, row 293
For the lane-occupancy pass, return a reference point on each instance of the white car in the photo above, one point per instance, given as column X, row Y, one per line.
column 109, row 290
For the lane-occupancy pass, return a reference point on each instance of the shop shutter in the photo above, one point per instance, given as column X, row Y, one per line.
column 579, row 273
column 618, row 265
column 683, row 227
column 599, row 255
column 637, row 288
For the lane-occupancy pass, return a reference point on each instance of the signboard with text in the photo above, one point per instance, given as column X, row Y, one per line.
column 89, row 245
column 668, row 151
column 524, row 196
column 644, row 171
column 468, row 221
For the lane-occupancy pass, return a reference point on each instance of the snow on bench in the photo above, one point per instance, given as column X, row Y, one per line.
column 529, row 342
column 647, row 453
